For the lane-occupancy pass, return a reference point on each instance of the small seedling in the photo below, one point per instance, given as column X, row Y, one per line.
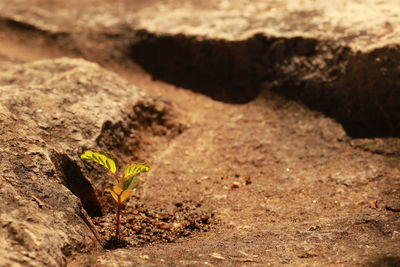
column 124, row 184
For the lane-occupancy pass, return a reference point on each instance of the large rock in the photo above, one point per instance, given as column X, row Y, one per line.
column 360, row 25
column 49, row 112
column 339, row 57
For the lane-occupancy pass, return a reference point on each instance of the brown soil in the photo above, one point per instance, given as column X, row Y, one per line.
column 141, row 225
column 266, row 182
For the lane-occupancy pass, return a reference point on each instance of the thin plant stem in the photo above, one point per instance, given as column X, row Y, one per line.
column 117, row 223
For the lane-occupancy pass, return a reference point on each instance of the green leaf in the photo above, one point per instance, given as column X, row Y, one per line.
column 103, row 158
column 135, row 168
column 131, row 182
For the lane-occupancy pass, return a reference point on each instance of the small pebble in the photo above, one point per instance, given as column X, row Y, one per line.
column 235, row 185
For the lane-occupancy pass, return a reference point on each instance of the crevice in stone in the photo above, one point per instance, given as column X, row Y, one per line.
column 226, row 71
column 155, row 117
column 21, row 26
column 361, row 90
column 72, row 177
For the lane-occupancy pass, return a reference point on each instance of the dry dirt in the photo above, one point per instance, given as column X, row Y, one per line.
column 267, row 182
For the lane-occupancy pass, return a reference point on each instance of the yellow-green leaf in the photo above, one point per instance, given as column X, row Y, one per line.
column 135, row 168
column 130, row 182
column 113, row 194
column 103, row 158
column 125, row 195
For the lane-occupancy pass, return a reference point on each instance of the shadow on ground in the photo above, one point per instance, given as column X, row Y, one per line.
column 360, row 90
column 387, row 261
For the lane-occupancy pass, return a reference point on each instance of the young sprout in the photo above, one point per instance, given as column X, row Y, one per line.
column 124, row 184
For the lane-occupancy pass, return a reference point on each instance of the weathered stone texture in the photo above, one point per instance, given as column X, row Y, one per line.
column 363, row 25
column 49, row 111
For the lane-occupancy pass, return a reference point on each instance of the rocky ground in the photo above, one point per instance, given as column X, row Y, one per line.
column 272, row 131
